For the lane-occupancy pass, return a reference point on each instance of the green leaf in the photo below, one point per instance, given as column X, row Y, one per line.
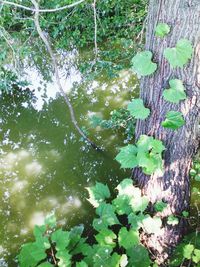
column 174, row 120
column 139, row 203
column 41, row 240
column 196, row 256
column 139, row 257
column 149, row 154
column 75, row 235
column 123, row 261
column 81, row 264
column 152, row 225
column 176, row 92
column 45, row 264
column 172, row 220
column 64, row 258
column 102, row 257
column 61, row 238
column 31, row 254
column 136, row 220
column 138, row 110
column 126, row 188
column 187, row 251
column 185, row 214
column 99, row 224
column 162, row 29
column 142, row 64
column 178, row 56
column 128, row 239
column 107, row 214
column 160, row 206
column 122, row 204
column 106, row 237
column 98, row 194
column 127, row 156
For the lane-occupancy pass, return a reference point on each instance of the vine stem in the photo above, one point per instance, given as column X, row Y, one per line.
column 42, row 10
column 55, row 67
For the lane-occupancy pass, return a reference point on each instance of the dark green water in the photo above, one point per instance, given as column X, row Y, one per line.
column 44, row 166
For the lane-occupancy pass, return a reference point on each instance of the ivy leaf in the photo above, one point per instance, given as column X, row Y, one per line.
column 126, row 188
column 99, row 224
column 152, row 225
column 102, row 256
column 45, row 264
column 107, row 214
column 127, row 156
column 187, row 251
column 178, row 56
column 98, row 194
column 138, row 110
column 123, row 261
column 64, row 258
column 185, row 213
column 61, row 238
column 174, row 120
column 139, row 257
column 162, row 29
column 31, row 254
column 75, row 235
column 128, row 239
column 41, row 240
column 106, row 237
column 160, row 206
column 172, row 220
column 81, row 264
column 176, row 92
column 136, row 220
column 196, row 256
column 139, row 203
column 142, row 64
column 122, row 204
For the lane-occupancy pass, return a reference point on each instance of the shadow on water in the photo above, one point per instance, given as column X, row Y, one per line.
column 44, row 166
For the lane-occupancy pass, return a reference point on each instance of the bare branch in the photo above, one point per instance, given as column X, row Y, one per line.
column 55, row 67
column 41, row 10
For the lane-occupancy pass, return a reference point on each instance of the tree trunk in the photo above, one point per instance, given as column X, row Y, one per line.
column 172, row 186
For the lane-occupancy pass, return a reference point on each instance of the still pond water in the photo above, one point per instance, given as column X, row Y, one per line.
column 44, row 166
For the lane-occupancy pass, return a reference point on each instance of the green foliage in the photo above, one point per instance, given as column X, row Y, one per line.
column 195, row 170
column 147, row 154
column 187, row 251
column 142, row 63
column 179, row 56
column 176, row 92
column 174, row 120
column 138, row 110
column 172, row 220
column 98, row 194
column 162, row 29
column 114, row 244
column 160, row 206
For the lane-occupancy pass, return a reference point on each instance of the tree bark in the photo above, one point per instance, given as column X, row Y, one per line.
column 173, row 185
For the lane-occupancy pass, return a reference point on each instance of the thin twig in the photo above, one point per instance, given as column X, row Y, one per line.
column 95, row 30
column 55, row 67
column 42, row 10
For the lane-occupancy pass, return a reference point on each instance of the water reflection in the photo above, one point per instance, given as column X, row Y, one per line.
column 44, row 166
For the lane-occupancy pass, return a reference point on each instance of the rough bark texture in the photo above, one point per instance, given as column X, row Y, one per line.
column 173, row 186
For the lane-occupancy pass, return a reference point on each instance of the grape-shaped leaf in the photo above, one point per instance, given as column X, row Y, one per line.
column 107, row 214
column 98, row 194
column 64, row 258
column 138, row 110
column 126, row 188
column 152, row 225
column 178, row 56
column 102, row 256
column 174, row 120
column 41, row 240
column 128, row 239
column 122, row 204
column 149, row 154
column 162, row 29
column 31, row 254
column 139, row 257
column 188, row 251
column 196, row 256
column 127, row 156
column 106, row 237
column 160, row 206
column 61, row 238
column 172, row 220
column 136, row 220
column 99, row 224
column 139, row 204
column 81, row 264
column 142, row 64
column 45, row 264
column 176, row 92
